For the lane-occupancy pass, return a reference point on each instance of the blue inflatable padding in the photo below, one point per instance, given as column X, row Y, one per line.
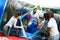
column 2, row 4
column 37, row 37
column 26, row 17
column 32, row 28
column 27, row 13
column 34, row 38
column 35, row 33
column 28, row 34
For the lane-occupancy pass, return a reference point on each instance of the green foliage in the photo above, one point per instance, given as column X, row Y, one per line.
column 38, row 8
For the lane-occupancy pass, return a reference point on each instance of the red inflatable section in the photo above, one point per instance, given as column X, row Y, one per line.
column 11, row 37
column 29, row 16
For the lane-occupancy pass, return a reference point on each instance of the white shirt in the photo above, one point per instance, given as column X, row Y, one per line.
column 40, row 13
column 11, row 21
column 54, row 29
column 34, row 17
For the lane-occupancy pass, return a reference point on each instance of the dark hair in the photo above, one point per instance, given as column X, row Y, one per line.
column 18, row 14
column 46, row 16
column 34, row 8
column 51, row 14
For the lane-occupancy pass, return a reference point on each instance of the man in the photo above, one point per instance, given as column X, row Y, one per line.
column 52, row 26
column 34, row 21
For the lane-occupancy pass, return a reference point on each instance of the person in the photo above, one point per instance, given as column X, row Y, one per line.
column 34, row 21
column 52, row 26
column 12, row 23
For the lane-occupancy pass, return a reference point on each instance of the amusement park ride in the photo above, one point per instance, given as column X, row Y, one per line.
column 26, row 34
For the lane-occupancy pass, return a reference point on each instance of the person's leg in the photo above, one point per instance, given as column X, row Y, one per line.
column 56, row 37
column 44, row 34
column 19, row 32
column 6, row 30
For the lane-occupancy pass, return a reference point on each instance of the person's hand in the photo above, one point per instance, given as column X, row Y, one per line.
column 39, row 25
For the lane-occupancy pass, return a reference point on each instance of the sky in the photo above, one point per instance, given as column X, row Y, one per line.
column 44, row 3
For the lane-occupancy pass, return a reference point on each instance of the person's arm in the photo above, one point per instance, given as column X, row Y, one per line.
column 49, row 27
column 15, row 22
column 17, row 26
column 39, row 24
column 48, row 30
column 38, row 21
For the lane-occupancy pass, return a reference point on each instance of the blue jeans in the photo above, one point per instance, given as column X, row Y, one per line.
column 56, row 37
column 32, row 27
